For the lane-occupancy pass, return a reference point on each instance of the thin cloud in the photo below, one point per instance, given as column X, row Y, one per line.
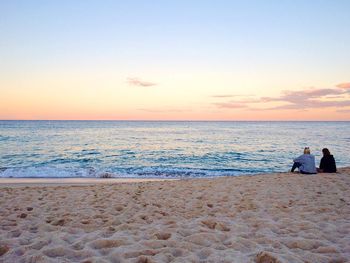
column 310, row 98
column 312, row 104
column 163, row 110
column 344, row 111
column 236, row 104
column 230, row 105
column 140, row 83
column 229, row 96
column 223, row 96
column 302, row 99
column 344, row 85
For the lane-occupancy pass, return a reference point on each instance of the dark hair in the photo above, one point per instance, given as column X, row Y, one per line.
column 325, row 151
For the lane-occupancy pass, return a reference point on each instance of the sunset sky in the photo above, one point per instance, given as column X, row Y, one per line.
column 175, row 60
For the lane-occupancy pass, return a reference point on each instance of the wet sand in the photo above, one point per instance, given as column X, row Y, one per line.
column 22, row 182
column 264, row 218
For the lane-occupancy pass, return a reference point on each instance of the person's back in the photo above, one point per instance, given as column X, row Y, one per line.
column 327, row 164
column 305, row 162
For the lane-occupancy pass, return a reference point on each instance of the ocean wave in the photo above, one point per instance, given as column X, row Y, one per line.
column 140, row 172
column 90, row 152
column 5, row 138
column 44, row 172
column 161, row 149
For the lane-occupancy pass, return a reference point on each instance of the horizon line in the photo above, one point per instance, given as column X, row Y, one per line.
column 150, row 120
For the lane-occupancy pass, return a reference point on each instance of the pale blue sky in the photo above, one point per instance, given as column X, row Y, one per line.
column 168, row 33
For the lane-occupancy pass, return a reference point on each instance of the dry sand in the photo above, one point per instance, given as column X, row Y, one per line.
column 264, row 218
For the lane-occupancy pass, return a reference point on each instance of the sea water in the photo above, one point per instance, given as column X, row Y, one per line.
column 169, row 149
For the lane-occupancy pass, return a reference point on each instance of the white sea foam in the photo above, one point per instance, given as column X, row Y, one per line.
column 146, row 172
column 33, row 172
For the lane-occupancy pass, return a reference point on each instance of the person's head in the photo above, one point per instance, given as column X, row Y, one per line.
column 307, row 150
column 325, row 152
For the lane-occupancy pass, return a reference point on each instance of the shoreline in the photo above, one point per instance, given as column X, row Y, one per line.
column 81, row 181
column 279, row 217
column 77, row 181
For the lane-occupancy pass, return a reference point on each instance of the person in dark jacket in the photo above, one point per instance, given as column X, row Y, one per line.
column 327, row 164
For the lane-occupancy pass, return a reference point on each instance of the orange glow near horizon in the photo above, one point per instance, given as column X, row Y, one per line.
column 123, row 101
column 201, row 96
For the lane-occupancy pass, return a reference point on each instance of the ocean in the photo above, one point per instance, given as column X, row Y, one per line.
column 163, row 149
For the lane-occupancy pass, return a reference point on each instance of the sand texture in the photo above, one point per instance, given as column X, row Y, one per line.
column 264, row 218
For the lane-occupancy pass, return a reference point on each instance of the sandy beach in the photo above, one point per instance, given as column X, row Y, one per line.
column 279, row 217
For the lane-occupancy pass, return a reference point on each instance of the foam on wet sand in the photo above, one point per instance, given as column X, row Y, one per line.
column 265, row 218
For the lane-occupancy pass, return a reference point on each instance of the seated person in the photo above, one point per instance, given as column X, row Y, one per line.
column 327, row 164
column 305, row 163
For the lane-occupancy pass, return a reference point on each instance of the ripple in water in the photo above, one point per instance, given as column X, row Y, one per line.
column 162, row 149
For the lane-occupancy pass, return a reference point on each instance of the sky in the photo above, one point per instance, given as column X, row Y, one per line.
column 175, row 60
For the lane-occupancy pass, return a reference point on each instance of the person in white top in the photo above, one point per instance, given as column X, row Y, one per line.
column 305, row 163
